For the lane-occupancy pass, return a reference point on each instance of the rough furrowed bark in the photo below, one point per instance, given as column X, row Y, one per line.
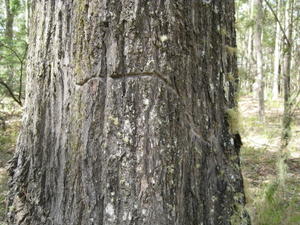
column 126, row 116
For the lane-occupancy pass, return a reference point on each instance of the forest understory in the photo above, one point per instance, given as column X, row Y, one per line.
column 268, row 202
column 9, row 131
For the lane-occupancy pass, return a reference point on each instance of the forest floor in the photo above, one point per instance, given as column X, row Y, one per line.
column 9, row 129
column 269, row 201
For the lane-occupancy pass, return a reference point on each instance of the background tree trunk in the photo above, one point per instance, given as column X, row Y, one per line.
column 27, row 4
column 287, row 117
column 277, row 52
column 9, row 22
column 258, row 8
column 250, row 55
column 9, row 35
column 129, row 116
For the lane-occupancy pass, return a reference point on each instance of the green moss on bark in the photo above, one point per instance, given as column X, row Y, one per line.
column 233, row 119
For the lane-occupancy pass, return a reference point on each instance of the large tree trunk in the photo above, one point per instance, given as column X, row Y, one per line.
column 258, row 8
column 129, row 116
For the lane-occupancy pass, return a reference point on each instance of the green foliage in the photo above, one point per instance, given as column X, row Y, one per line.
column 245, row 27
column 13, row 51
column 274, row 209
column 15, row 6
column 270, row 192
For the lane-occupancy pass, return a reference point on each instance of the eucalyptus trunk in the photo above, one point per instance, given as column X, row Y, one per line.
column 287, row 117
column 277, row 52
column 130, row 116
column 250, row 51
column 259, row 82
column 8, row 35
column 9, row 21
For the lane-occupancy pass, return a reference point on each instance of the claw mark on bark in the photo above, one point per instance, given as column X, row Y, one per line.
column 86, row 80
column 188, row 119
column 146, row 74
